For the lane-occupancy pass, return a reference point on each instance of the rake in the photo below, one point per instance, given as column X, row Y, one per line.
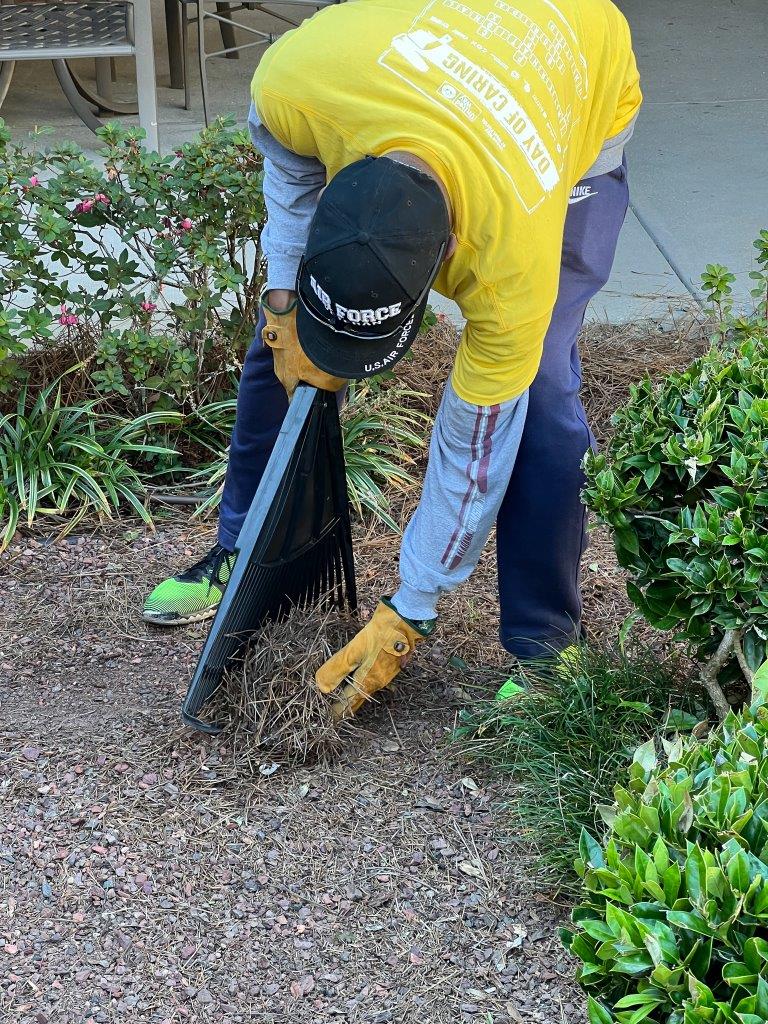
column 294, row 548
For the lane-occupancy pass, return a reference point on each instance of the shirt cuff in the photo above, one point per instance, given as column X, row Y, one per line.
column 281, row 271
column 414, row 604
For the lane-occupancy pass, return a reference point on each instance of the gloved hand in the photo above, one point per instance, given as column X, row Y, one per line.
column 375, row 656
column 291, row 365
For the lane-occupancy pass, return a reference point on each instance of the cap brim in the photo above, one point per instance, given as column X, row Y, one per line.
column 355, row 358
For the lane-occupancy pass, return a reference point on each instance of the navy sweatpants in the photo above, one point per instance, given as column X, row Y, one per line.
column 541, row 524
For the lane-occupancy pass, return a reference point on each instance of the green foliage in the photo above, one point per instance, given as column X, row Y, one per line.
column 735, row 327
column 684, row 482
column 569, row 740
column 684, row 485
column 381, row 439
column 672, row 925
column 169, row 246
column 68, row 461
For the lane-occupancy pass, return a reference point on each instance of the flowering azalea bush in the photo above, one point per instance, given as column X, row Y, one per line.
column 154, row 260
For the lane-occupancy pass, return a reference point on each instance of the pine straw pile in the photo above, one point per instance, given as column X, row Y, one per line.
column 274, row 713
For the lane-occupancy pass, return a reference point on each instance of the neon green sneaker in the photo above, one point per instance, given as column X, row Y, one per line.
column 565, row 660
column 509, row 690
column 193, row 595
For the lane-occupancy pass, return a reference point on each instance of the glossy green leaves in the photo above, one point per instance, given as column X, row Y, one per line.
column 673, row 923
column 684, row 486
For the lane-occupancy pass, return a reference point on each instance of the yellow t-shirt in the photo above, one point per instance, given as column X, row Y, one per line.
column 509, row 102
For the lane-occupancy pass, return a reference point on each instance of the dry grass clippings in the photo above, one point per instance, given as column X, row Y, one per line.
column 274, row 709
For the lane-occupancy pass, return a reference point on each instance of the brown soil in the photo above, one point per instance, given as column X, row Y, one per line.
column 147, row 875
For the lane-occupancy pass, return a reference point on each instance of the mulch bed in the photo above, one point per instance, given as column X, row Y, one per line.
column 151, row 874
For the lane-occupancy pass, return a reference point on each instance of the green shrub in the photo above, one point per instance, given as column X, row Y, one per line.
column 684, row 486
column 168, row 247
column 673, row 926
column 736, row 326
column 69, row 461
column 568, row 741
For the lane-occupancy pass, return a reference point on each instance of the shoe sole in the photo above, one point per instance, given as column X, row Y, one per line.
column 157, row 619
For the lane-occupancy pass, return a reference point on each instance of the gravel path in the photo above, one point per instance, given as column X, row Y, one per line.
column 143, row 879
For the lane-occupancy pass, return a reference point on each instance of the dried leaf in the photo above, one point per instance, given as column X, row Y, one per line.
column 428, row 803
column 471, row 868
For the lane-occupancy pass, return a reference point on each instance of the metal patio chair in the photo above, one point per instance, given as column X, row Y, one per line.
column 222, row 13
column 68, row 29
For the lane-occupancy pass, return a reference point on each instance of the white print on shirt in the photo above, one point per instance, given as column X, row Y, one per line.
column 368, row 317
column 423, row 48
column 443, row 55
column 321, row 293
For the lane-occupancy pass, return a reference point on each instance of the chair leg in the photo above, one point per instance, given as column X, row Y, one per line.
column 76, row 101
column 185, row 52
column 227, row 29
column 175, row 43
column 145, row 72
column 6, row 74
column 104, row 77
column 201, row 57
column 96, row 99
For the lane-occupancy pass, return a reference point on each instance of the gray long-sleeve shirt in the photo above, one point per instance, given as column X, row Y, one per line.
column 473, row 448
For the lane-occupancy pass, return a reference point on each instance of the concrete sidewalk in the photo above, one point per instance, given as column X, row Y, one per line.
column 697, row 161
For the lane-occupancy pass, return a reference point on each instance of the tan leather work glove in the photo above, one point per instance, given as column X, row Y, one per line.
column 291, row 365
column 375, row 656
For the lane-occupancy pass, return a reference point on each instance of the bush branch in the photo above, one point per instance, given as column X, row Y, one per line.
column 710, row 671
column 749, row 675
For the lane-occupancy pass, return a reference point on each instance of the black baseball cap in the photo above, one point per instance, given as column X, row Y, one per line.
column 376, row 242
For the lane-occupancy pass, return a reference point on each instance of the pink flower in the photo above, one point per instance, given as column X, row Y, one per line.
column 101, row 198
column 66, row 319
column 148, row 307
column 85, row 206
column 33, row 181
column 186, row 224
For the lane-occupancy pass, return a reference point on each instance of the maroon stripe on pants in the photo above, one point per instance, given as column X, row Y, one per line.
column 481, row 448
